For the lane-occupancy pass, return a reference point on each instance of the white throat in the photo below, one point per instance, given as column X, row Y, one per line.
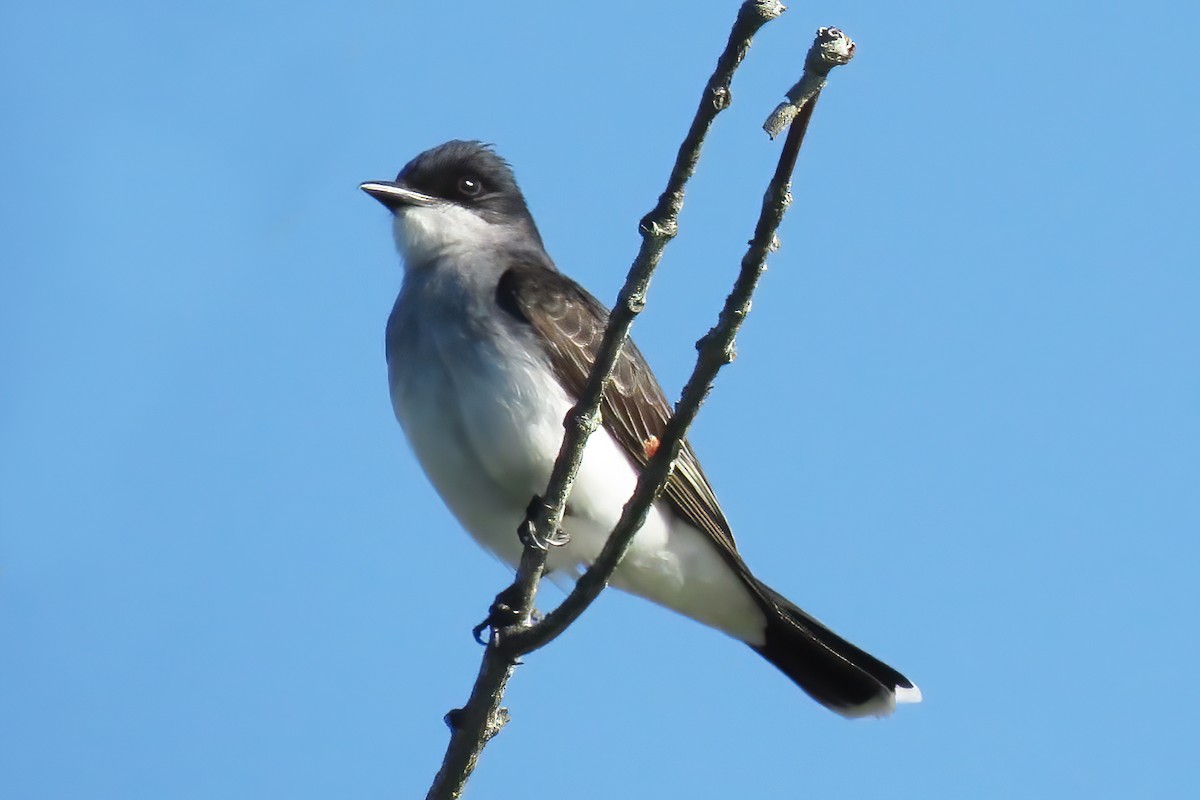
column 425, row 233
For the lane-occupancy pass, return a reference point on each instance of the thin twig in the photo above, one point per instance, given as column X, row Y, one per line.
column 716, row 349
column 482, row 717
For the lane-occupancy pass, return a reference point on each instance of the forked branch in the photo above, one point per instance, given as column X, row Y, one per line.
column 482, row 716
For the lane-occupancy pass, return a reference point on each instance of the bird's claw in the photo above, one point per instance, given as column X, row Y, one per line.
column 528, row 534
column 501, row 614
column 478, row 630
column 531, row 538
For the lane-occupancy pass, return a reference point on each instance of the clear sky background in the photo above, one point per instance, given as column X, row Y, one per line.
column 962, row 427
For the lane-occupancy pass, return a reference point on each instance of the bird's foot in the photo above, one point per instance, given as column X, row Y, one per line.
column 529, row 535
column 502, row 613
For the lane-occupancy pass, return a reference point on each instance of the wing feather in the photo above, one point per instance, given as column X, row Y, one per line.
column 570, row 324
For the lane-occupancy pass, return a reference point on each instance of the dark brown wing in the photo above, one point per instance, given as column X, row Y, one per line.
column 570, row 324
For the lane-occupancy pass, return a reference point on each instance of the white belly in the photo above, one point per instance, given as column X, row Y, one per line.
column 486, row 427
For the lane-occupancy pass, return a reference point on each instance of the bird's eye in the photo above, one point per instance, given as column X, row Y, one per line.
column 469, row 186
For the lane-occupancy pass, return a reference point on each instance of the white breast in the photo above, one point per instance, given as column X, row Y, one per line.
column 483, row 413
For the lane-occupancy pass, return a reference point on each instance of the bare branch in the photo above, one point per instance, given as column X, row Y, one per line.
column 716, row 349
column 480, row 719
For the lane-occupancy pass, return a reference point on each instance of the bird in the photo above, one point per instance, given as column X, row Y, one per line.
column 489, row 346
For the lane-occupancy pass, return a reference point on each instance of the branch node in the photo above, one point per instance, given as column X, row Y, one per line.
column 656, row 228
column 705, row 341
column 661, row 225
column 585, row 420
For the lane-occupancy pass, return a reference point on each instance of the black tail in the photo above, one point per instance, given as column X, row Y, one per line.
column 834, row 672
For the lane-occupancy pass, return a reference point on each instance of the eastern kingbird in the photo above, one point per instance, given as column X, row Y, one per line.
column 489, row 346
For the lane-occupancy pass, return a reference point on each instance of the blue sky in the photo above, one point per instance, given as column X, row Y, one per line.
column 223, row 575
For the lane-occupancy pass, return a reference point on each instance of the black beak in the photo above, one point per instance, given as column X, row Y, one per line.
column 394, row 195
